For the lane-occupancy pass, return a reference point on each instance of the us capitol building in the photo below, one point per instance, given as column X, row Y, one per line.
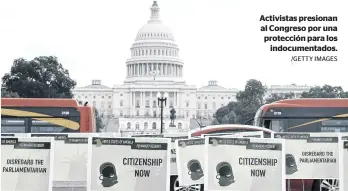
column 155, row 66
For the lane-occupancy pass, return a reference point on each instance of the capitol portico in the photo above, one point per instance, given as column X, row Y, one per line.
column 155, row 66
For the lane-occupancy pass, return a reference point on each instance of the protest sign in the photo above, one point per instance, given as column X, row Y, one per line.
column 311, row 155
column 190, row 161
column 27, row 164
column 258, row 161
column 132, row 164
column 173, row 137
column 70, row 158
column 173, row 160
column 344, row 170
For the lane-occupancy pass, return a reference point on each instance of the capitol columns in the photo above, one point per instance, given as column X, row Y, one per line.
column 141, row 99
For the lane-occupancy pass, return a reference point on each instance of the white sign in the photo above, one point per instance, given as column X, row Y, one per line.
column 344, row 176
column 27, row 164
column 173, row 160
column 173, row 164
column 70, row 159
column 190, row 161
column 311, row 155
column 130, row 164
column 244, row 164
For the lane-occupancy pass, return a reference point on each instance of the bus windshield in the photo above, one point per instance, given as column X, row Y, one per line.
column 39, row 120
column 316, row 115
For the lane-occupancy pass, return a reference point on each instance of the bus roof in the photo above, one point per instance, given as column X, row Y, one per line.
column 231, row 127
column 39, row 102
column 308, row 102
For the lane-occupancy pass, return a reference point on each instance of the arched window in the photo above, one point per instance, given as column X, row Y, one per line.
column 137, row 126
column 159, row 52
column 179, row 126
column 146, row 125
column 129, row 125
column 154, row 125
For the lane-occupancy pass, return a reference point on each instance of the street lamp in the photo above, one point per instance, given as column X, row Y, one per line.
column 162, row 100
column 49, row 88
column 154, row 73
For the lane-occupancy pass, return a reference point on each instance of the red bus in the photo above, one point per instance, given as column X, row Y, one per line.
column 306, row 115
column 45, row 115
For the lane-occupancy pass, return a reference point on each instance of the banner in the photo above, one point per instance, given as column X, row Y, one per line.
column 27, row 164
column 259, row 164
column 257, row 134
column 132, row 164
column 70, row 158
column 344, row 176
column 190, row 161
column 311, row 155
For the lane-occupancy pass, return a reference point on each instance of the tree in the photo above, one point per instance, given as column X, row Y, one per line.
column 325, row 91
column 98, row 120
column 215, row 122
column 41, row 77
column 276, row 97
column 248, row 102
column 8, row 94
column 221, row 112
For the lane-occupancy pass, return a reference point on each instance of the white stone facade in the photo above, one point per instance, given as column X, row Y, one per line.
column 154, row 66
column 283, row 89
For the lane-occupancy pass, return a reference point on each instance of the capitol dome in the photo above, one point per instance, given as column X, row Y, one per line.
column 154, row 54
column 155, row 29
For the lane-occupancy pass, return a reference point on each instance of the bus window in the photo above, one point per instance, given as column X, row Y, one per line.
column 267, row 124
column 52, row 125
column 303, row 125
column 13, row 125
column 334, row 125
column 277, row 125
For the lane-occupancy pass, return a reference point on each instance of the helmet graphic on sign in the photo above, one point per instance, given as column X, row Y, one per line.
column 195, row 169
column 290, row 163
column 224, row 174
column 214, row 142
column 108, row 174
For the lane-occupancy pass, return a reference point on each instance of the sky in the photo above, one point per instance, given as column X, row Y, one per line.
column 218, row 39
